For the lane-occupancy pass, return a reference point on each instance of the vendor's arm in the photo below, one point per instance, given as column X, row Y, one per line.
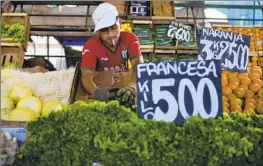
column 88, row 69
column 135, row 57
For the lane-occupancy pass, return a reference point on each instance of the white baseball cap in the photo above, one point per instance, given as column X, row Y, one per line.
column 104, row 16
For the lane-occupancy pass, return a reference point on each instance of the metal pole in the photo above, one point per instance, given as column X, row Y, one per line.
column 48, row 47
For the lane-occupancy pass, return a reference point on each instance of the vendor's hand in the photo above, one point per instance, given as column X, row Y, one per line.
column 105, row 94
column 127, row 96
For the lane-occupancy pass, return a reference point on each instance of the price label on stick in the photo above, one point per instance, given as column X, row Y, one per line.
column 231, row 48
column 175, row 91
column 179, row 31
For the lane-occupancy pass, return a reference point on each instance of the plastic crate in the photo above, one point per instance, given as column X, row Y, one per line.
column 139, row 10
column 13, row 18
column 12, row 53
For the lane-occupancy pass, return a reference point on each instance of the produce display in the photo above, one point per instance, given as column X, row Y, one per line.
column 243, row 92
column 15, row 31
column 111, row 134
column 160, row 36
column 55, row 85
column 144, row 33
column 126, row 27
column 21, row 105
column 8, row 148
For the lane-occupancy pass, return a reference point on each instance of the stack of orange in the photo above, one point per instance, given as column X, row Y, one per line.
column 242, row 92
column 255, row 60
column 258, row 32
column 227, row 29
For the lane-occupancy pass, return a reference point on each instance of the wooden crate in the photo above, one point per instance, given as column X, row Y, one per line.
column 120, row 5
column 5, row 123
column 13, row 18
column 163, row 9
column 146, row 48
column 12, row 53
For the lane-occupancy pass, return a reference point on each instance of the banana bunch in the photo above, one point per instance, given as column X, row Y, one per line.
column 126, row 27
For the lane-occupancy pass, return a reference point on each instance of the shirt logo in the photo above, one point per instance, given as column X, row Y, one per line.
column 124, row 54
column 84, row 51
column 104, row 59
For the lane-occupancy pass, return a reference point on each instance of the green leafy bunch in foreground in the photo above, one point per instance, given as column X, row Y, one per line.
column 15, row 31
column 112, row 135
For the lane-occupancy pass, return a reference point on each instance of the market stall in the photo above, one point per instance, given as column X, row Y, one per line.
column 199, row 94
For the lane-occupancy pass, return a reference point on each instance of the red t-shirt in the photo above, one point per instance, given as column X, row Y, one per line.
column 96, row 56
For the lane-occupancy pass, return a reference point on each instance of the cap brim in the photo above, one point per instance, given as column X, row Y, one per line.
column 105, row 22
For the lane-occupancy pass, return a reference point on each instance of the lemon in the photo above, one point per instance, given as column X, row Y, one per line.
column 31, row 102
column 52, row 106
column 22, row 114
column 19, row 91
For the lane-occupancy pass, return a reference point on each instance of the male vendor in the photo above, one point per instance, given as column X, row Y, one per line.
column 110, row 51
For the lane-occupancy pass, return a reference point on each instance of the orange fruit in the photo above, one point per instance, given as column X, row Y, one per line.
column 260, row 92
column 226, row 91
column 226, row 109
column 239, row 92
column 242, row 75
column 224, row 81
column 255, row 67
column 249, row 94
column 223, row 74
column 248, row 111
column 254, row 87
column 253, row 76
column 234, row 79
column 258, row 81
column 254, row 63
column 251, row 100
column 243, row 86
column 246, row 81
column 254, row 58
column 231, row 97
column 235, row 108
column 226, row 104
column 257, row 71
column 224, row 99
column 232, row 74
column 250, row 105
column 249, row 64
column 238, row 102
column 233, row 85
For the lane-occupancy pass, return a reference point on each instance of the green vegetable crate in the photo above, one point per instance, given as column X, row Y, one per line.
column 12, row 53
column 13, row 23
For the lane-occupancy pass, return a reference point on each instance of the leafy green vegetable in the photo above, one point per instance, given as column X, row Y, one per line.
column 15, row 31
column 112, row 135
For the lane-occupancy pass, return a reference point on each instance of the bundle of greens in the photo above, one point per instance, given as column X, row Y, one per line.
column 14, row 31
column 144, row 33
column 161, row 38
column 113, row 135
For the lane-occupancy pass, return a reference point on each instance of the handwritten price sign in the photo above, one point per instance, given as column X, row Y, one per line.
column 175, row 91
column 179, row 31
column 231, row 48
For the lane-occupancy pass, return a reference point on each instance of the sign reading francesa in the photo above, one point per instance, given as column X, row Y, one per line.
column 174, row 91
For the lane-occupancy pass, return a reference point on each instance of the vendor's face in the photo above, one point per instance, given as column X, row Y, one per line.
column 110, row 35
